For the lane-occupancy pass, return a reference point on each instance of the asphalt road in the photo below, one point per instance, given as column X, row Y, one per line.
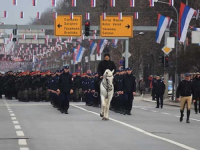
column 38, row 126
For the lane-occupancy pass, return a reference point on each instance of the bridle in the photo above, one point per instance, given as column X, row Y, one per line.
column 107, row 85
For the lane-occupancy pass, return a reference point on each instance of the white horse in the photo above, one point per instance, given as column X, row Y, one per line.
column 106, row 93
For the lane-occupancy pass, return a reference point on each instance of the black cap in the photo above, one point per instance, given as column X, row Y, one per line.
column 107, row 55
column 187, row 74
column 66, row 67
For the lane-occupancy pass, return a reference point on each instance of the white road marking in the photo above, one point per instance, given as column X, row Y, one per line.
column 141, row 131
column 144, row 108
column 165, row 113
column 22, row 142
column 177, row 116
column 17, row 127
column 15, row 122
column 20, row 133
column 154, row 111
column 194, row 119
column 24, row 148
column 13, row 118
column 10, row 111
column 12, row 115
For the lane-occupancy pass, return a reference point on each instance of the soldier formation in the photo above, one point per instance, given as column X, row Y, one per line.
column 42, row 86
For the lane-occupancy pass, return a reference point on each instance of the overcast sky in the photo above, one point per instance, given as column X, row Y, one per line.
column 22, row 5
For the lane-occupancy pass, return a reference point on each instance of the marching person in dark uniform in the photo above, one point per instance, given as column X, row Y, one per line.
column 159, row 89
column 185, row 89
column 77, row 85
column 196, row 97
column 1, row 85
column 129, row 89
column 65, row 88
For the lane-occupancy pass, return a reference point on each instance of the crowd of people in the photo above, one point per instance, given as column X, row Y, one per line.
column 61, row 86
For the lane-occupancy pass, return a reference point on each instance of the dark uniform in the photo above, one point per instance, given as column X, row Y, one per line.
column 65, row 85
column 159, row 89
column 196, row 97
column 129, row 86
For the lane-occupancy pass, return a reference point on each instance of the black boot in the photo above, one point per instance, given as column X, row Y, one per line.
column 182, row 115
column 188, row 116
column 129, row 112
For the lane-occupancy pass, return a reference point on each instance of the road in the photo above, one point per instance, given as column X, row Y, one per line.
column 38, row 126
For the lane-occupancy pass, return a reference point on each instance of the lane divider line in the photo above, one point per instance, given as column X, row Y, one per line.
column 17, row 127
column 15, row 122
column 20, row 133
column 141, row 130
column 22, row 142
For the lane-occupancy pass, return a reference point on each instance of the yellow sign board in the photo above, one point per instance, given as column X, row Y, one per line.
column 64, row 26
column 112, row 26
column 166, row 50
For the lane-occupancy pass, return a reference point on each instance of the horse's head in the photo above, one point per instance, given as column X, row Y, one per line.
column 108, row 75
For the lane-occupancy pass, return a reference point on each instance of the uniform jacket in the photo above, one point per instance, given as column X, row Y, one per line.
column 185, row 88
column 103, row 65
column 159, row 87
column 129, row 84
column 65, row 83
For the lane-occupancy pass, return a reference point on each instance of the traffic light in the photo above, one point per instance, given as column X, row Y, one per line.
column 166, row 61
column 87, row 28
column 161, row 60
column 14, row 33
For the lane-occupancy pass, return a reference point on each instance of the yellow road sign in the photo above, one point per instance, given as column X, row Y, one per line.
column 64, row 26
column 166, row 50
column 112, row 26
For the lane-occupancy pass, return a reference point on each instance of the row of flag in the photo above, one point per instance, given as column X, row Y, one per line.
column 87, row 15
column 93, row 3
column 185, row 16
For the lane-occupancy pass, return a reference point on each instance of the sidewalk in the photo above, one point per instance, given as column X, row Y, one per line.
column 168, row 102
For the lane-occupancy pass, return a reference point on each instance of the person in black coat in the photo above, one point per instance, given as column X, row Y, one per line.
column 129, row 89
column 185, row 89
column 159, row 89
column 65, row 88
column 196, row 97
column 106, row 64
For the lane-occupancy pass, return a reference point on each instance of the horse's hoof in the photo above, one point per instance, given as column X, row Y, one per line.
column 106, row 119
column 101, row 115
column 103, row 118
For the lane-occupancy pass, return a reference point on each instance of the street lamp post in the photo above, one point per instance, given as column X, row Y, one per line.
column 176, row 49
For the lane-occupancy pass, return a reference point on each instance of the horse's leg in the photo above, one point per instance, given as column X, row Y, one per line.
column 102, row 114
column 106, row 109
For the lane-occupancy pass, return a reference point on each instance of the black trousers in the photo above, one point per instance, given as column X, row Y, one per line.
column 64, row 100
column 128, row 101
column 197, row 98
column 159, row 99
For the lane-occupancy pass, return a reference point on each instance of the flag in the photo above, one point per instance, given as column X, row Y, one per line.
column 54, row 3
column 21, row 14
column 136, row 15
column 171, row 2
column 93, row 3
column 195, row 29
column 93, row 46
column 73, row 3
column 23, row 36
column 101, row 45
column 197, row 14
column 112, row 3
column 104, row 16
column 120, row 15
column 132, row 3
column 34, row 2
column 94, row 34
column 54, row 15
column 169, row 23
column 185, row 17
column 114, row 43
column 87, row 16
column 79, row 53
column 161, row 26
column 151, row 3
column 38, row 15
column 11, row 36
column 15, row 2
column 72, row 16
column 5, row 14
